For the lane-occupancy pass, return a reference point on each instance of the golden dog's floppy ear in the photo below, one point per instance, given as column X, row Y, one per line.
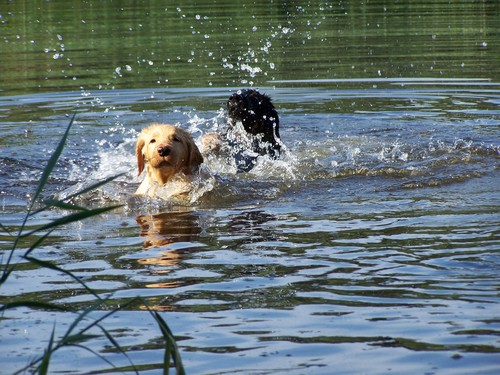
column 138, row 153
column 194, row 155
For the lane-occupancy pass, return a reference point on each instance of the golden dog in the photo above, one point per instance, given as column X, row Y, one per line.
column 165, row 151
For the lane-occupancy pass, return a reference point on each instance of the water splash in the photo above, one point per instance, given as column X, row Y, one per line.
column 182, row 191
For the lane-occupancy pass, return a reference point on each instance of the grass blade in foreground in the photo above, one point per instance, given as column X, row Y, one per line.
column 41, row 184
column 77, row 216
column 51, row 164
column 44, row 365
column 171, row 349
column 74, row 336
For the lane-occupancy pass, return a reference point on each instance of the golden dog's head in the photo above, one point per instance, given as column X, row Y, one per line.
column 166, row 150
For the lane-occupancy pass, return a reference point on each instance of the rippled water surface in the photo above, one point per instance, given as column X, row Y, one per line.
column 371, row 246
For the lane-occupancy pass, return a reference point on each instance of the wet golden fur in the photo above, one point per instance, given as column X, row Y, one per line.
column 165, row 151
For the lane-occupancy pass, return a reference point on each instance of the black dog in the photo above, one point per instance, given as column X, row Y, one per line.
column 260, row 120
column 259, row 134
column 258, row 116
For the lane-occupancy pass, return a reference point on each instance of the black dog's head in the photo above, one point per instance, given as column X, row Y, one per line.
column 257, row 114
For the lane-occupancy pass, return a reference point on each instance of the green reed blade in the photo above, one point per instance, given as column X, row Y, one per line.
column 33, row 305
column 92, row 187
column 171, row 349
column 77, row 216
column 62, row 205
column 52, row 266
column 44, row 366
column 103, row 358
column 51, row 164
column 112, row 340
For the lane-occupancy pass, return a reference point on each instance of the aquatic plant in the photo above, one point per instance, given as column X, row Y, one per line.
column 84, row 325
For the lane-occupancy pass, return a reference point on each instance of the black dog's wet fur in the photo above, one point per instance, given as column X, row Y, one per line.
column 258, row 116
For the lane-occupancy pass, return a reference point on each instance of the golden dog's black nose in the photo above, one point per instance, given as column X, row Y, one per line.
column 163, row 150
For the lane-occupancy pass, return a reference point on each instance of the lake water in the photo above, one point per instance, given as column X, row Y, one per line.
column 371, row 246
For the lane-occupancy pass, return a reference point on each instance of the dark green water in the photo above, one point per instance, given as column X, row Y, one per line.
column 371, row 247
column 56, row 46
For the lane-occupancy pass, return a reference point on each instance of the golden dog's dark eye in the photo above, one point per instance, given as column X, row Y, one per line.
column 176, row 139
column 152, row 141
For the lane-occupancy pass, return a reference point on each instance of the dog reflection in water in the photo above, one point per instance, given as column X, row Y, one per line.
column 162, row 230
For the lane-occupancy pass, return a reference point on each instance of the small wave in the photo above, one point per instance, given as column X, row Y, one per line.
column 440, row 181
column 431, row 163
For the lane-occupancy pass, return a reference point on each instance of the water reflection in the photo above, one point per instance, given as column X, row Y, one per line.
column 162, row 230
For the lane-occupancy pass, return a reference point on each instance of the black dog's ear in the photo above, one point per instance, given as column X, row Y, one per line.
column 269, row 111
column 275, row 123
